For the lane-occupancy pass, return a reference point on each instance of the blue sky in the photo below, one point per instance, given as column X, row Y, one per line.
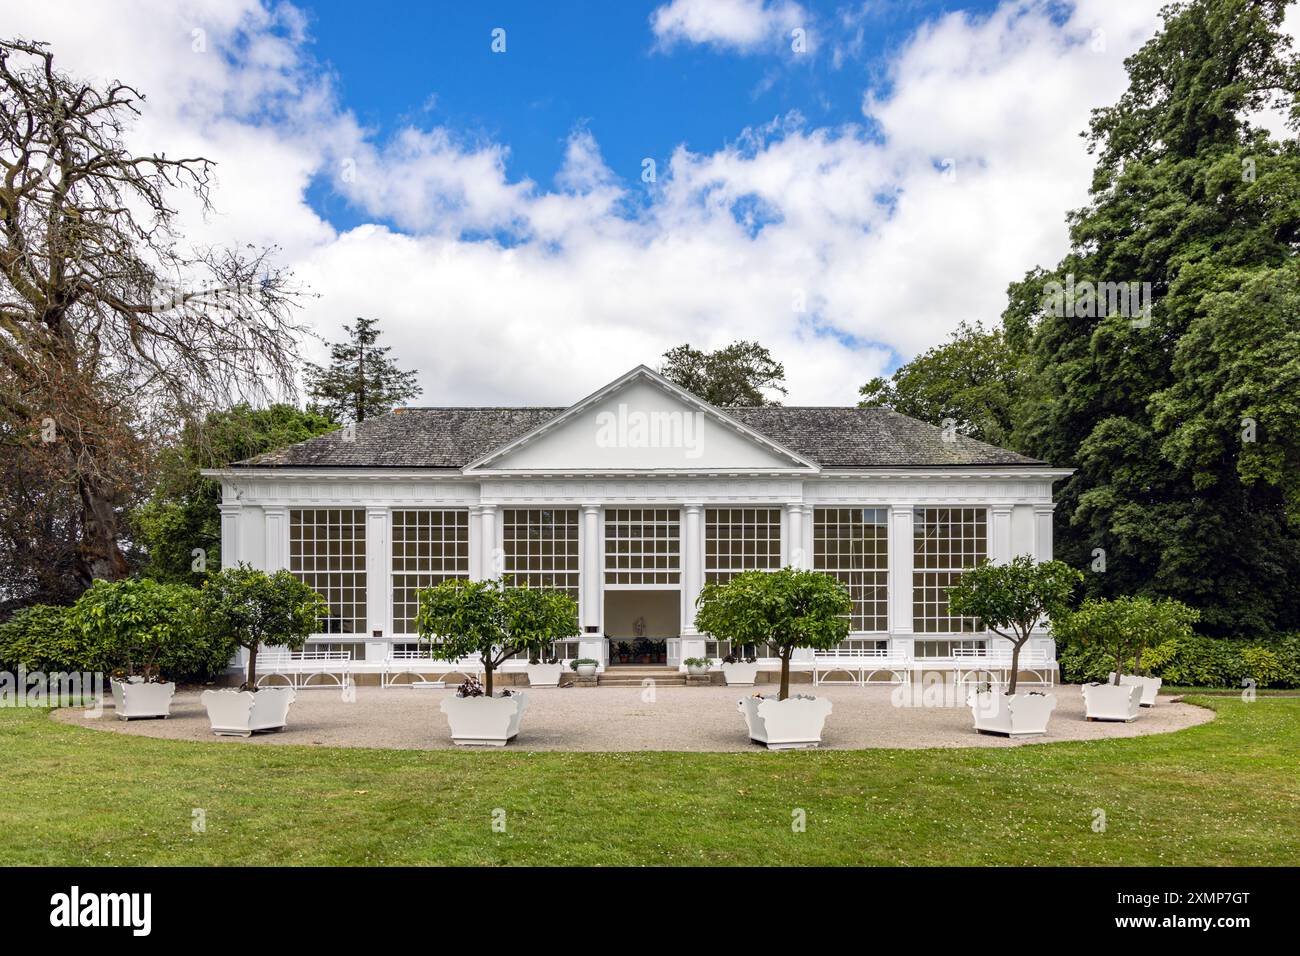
column 591, row 65
column 847, row 206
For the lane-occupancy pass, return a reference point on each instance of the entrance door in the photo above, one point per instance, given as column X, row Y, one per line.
column 641, row 625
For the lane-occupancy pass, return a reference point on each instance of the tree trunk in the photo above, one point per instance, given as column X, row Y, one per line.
column 1119, row 667
column 487, row 676
column 785, row 673
column 1015, row 665
column 251, row 682
column 100, row 557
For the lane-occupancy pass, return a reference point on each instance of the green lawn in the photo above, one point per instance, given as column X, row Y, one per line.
column 1224, row 793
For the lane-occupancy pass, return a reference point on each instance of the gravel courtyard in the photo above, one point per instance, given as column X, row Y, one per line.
column 625, row 719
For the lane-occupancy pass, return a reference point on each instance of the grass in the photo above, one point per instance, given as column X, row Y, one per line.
column 1223, row 793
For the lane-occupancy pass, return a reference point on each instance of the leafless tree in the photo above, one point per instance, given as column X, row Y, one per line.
column 111, row 328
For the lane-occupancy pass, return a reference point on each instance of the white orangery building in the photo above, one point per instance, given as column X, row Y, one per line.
column 629, row 501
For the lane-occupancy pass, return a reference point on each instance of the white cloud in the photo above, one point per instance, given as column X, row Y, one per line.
column 585, row 280
column 741, row 25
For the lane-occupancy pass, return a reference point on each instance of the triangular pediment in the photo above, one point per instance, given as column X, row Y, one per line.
column 641, row 422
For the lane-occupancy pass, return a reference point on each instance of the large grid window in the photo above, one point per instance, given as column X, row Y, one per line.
column 327, row 552
column 643, row 546
column 852, row 545
column 740, row 539
column 541, row 548
column 429, row 546
column 948, row 541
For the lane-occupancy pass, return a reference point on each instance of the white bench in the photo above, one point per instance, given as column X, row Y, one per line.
column 415, row 664
column 994, row 665
column 297, row 669
column 861, row 665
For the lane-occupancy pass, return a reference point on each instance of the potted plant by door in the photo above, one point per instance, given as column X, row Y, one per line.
column 495, row 621
column 585, row 666
column 787, row 609
column 696, row 666
column 544, row 670
column 1010, row 600
column 1122, row 628
column 254, row 609
column 740, row 671
column 134, row 623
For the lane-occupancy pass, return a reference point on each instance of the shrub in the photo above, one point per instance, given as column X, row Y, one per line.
column 43, row 638
column 1126, row 628
column 1196, row 661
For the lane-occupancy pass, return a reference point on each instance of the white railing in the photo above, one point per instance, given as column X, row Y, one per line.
column 860, row 665
column 416, row 664
column 994, row 665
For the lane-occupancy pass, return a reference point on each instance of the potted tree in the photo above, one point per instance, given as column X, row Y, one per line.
column 1122, row 628
column 495, row 621
column 787, row 609
column 133, row 623
column 1010, row 600
column 253, row 609
column 544, row 668
column 739, row 669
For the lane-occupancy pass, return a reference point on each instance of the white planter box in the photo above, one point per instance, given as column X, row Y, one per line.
column 785, row 724
column 1016, row 715
column 544, row 675
column 1150, row 686
column 740, row 674
column 135, row 698
column 485, row 721
column 242, row 713
column 1108, row 702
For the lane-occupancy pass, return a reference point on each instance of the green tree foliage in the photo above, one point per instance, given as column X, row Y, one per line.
column 1124, row 628
column 1011, row 599
column 492, row 619
column 44, row 637
column 141, row 627
column 788, row 608
column 361, row 381
column 183, row 511
column 741, row 373
column 1193, row 198
column 250, row 608
column 971, row 380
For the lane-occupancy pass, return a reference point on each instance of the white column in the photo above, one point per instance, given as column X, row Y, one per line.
column 491, row 558
column 475, row 543
column 1043, row 531
column 692, row 564
column 797, row 555
column 231, row 544
column 1000, row 534
column 277, row 538
column 589, row 571
column 378, row 583
column 901, row 519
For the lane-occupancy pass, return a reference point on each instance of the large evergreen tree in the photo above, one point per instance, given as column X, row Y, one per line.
column 742, row 373
column 361, row 381
column 1181, row 421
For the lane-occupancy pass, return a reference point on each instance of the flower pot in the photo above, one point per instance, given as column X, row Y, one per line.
column 697, row 670
column 135, row 698
column 242, row 713
column 586, row 670
column 740, row 674
column 794, row 723
column 544, row 675
column 484, row 721
column 1108, row 702
column 1150, row 686
column 1017, row 715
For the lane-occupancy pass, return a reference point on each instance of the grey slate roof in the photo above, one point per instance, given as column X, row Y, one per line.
column 454, row 437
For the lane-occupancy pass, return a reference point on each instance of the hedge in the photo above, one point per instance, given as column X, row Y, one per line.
column 1197, row 662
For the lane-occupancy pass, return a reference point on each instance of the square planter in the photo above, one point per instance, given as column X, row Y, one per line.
column 1150, row 686
column 794, row 723
column 484, row 721
column 740, row 674
column 242, row 713
column 134, row 699
column 1018, row 715
column 1108, row 702
column 544, row 675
